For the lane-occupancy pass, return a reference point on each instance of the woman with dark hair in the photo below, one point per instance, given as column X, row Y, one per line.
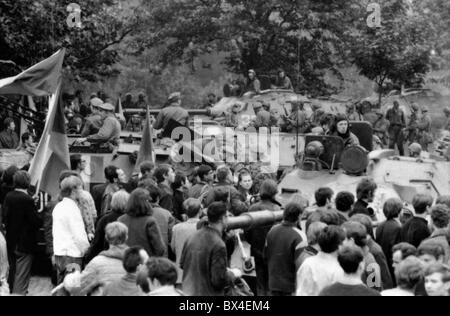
column 244, row 186
column 342, row 129
column 180, row 194
column 7, row 182
column 143, row 230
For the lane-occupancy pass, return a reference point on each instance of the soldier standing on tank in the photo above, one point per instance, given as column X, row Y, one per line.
column 318, row 113
column 297, row 122
column 411, row 129
column 396, row 119
column 424, row 127
column 352, row 114
column 447, row 115
column 381, row 127
column 262, row 117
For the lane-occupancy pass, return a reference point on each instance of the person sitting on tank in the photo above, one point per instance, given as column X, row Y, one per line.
column 252, row 84
column 262, row 117
column 173, row 112
column 283, row 82
column 342, row 130
column 327, row 123
column 297, row 120
column 232, row 118
column 94, row 122
column 110, row 131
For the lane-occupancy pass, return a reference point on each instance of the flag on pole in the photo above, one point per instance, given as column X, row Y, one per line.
column 40, row 80
column 52, row 154
column 146, row 152
column 119, row 109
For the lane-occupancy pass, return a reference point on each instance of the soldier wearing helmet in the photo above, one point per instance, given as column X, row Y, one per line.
column 447, row 115
column 396, row 118
column 381, row 127
column 411, row 130
column 424, row 127
column 415, row 150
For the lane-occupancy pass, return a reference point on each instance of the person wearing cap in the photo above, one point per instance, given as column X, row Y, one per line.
column 262, row 117
column 381, row 126
column 342, row 130
column 297, row 120
column 415, row 150
column 9, row 138
column 94, row 122
column 397, row 122
column 447, row 115
column 128, row 102
column 283, row 82
column 424, row 126
column 173, row 112
column 232, row 118
column 110, row 131
column 252, row 83
column 411, row 130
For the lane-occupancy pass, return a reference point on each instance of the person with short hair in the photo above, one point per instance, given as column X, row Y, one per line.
column 344, row 204
column 165, row 176
column 77, row 163
column 409, row 274
column 365, row 194
column 402, row 251
column 28, row 145
column 324, row 197
column 98, row 191
column 224, row 187
column 204, row 258
column 416, row 229
column 4, row 267
column 329, row 217
column 351, row 259
column 22, row 224
column 431, row 252
column 440, row 219
column 323, row 270
column 313, row 248
column 437, row 280
column 162, row 277
column 173, row 113
column 205, row 176
column 133, row 259
column 143, row 229
column 94, row 121
column 284, row 244
column 183, row 231
column 180, row 187
column 9, row 138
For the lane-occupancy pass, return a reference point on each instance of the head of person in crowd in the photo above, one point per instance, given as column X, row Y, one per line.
column 437, row 280
column 21, row 180
column 431, row 252
column 245, row 181
column 351, row 260
column 365, row 191
column 422, row 204
column 251, row 74
column 444, row 199
column 122, row 177
column 217, row 216
column 329, row 217
column 154, row 193
column 77, row 163
column 356, row 235
column 27, row 139
column 292, row 213
column 71, row 188
column 392, row 208
column 139, row 204
column 366, row 221
column 193, row 208
column 9, row 124
column 181, row 182
column 146, row 169
column 344, row 202
column 330, row 239
column 402, row 251
column 409, row 274
column 164, row 174
column 440, row 217
column 205, row 174
column 268, row 190
column 314, row 230
column 134, row 258
column 116, row 234
column 327, row 122
column 324, row 197
column 161, row 272
column 111, row 174
column 8, row 176
column 95, row 104
column 119, row 202
column 224, row 175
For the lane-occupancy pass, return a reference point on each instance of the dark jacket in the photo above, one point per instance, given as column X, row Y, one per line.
column 388, row 235
column 9, row 140
column 165, row 197
column 47, row 217
column 177, row 204
column 415, row 231
column 226, row 189
column 381, row 260
column 204, row 263
column 283, row 242
column 362, row 207
column 22, row 222
column 144, row 232
column 97, row 195
column 165, row 222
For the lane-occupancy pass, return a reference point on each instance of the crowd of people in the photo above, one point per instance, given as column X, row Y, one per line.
column 161, row 233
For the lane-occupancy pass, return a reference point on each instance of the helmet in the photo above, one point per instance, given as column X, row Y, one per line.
column 415, row 107
column 415, row 148
column 314, row 149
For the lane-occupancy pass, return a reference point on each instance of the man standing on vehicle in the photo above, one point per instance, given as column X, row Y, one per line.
column 396, row 118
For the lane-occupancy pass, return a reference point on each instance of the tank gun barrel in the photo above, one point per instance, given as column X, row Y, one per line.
column 155, row 112
column 249, row 220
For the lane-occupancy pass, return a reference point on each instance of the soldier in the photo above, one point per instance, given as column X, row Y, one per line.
column 212, row 100
column 396, row 119
column 174, row 112
column 415, row 150
column 232, row 118
column 128, row 102
column 447, row 115
column 380, row 127
column 275, row 118
column 141, row 103
column 318, row 112
column 411, row 129
column 283, row 82
column 109, row 133
column 352, row 114
column 262, row 117
column 369, row 113
column 252, row 83
column 94, row 122
column 424, row 127
column 342, row 129
column 297, row 122
column 266, row 106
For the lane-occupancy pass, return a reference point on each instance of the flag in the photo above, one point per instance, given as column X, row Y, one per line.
column 40, row 80
column 146, row 152
column 119, row 110
column 52, row 154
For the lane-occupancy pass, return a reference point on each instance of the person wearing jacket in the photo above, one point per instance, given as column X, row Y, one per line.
column 143, row 229
column 4, row 267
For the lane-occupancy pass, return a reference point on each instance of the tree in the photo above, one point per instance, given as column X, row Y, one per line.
column 42, row 29
column 399, row 51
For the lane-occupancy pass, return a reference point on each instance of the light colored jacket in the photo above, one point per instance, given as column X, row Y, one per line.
column 4, row 267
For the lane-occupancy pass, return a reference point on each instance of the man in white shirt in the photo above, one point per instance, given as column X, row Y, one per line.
column 70, row 241
column 323, row 270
